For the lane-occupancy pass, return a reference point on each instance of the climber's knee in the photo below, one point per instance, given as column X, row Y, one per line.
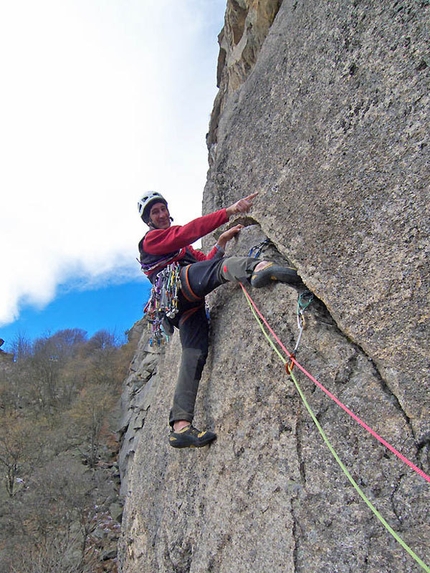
column 237, row 269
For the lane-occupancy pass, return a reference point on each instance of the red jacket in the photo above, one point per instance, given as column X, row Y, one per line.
column 160, row 247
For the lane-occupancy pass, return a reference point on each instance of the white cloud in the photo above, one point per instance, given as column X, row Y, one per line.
column 101, row 100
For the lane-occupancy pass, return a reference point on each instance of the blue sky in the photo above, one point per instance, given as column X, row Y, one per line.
column 114, row 308
column 101, row 101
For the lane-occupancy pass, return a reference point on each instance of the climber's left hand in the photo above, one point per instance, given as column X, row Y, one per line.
column 228, row 235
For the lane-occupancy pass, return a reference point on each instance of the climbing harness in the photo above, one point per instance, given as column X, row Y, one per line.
column 264, row 325
column 163, row 303
column 304, row 300
column 148, row 268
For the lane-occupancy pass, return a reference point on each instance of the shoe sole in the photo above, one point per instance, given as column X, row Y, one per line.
column 275, row 273
column 179, row 444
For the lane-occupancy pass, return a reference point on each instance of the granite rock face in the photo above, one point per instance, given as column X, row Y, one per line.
column 329, row 122
column 331, row 127
column 247, row 23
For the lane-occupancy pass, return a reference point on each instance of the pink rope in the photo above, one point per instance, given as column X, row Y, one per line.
column 333, row 397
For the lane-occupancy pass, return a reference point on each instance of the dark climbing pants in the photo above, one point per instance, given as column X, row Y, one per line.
column 198, row 280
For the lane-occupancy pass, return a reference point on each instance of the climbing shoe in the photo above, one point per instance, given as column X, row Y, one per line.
column 190, row 437
column 272, row 272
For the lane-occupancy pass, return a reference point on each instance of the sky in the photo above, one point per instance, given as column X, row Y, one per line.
column 101, row 100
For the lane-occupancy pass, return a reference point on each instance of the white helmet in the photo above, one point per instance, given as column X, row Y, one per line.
column 144, row 205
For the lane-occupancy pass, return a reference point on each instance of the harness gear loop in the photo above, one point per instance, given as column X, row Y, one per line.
column 163, row 303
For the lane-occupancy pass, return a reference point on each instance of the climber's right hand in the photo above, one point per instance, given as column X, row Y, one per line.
column 242, row 206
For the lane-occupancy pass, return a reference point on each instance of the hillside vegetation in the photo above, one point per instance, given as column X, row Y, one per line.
column 58, row 447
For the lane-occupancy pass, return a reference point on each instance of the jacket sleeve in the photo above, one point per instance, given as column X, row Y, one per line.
column 214, row 253
column 162, row 241
column 198, row 255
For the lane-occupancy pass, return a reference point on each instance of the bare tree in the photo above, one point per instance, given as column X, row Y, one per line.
column 17, row 449
column 90, row 414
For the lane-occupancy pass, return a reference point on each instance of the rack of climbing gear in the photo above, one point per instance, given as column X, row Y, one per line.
column 304, row 300
column 163, row 303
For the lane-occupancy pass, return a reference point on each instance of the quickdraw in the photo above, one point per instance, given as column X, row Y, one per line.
column 304, row 300
column 163, row 303
column 256, row 250
column 265, row 325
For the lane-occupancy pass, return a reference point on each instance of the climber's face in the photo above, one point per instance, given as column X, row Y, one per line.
column 160, row 216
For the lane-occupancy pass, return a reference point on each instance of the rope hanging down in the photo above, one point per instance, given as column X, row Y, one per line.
column 304, row 301
column 333, row 397
column 257, row 314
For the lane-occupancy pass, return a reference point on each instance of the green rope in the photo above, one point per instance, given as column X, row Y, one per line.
column 333, row 452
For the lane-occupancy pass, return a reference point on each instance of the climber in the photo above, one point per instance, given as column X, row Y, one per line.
column 200, row 274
